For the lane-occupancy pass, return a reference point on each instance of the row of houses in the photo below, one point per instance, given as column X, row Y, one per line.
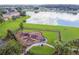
column 10, row 14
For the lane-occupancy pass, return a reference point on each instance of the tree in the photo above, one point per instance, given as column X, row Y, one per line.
column 19, row 9
column 23, row 13
column 21, row 26
column 10, row 35
column 66, row 48
column 1, row 19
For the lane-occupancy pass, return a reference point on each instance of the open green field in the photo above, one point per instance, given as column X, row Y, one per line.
column 67, row 33
column 10, row 24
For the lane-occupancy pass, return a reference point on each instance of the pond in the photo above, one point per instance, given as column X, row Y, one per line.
column 53, row 18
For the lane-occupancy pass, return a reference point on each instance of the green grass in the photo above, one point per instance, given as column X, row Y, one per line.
column 42, row 50
column 13, row 25
column 68, row 33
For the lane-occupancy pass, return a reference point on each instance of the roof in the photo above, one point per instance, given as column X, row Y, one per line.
column 29, row 38
column 10, row 14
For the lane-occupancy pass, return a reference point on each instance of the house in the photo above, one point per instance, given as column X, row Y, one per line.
column 29, row 38
column 9, row 15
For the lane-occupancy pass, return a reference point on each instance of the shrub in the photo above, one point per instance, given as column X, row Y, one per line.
column 12, row 48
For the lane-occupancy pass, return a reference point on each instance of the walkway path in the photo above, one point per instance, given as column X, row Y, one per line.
column 49, row 45
column 38, row 44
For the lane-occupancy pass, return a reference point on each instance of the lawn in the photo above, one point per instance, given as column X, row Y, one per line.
column 10, row 24
column 41, row 50
column 51, row 36
column 67, row 33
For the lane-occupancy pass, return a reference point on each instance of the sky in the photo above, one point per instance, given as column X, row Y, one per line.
column 39, row 2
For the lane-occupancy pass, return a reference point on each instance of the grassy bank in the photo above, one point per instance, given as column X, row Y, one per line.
column 10, row 24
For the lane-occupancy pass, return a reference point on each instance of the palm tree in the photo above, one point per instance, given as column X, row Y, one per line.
column 66, row 47
column 60, row 48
